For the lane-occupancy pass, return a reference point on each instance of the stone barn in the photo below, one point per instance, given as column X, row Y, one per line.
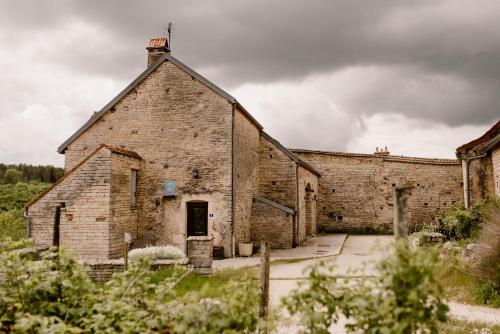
column 174, row 157
column 171, row 157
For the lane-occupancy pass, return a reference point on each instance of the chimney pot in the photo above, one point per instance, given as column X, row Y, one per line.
column 157, row 47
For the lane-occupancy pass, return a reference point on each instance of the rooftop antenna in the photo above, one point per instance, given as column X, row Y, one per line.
column 169, row 30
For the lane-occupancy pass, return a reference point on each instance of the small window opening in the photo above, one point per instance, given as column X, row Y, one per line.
column 333, row 190
column 340, row 218
column 270, row 156
column 426, row 204
column 133, row 187
column 394, row 184
column 273, row 183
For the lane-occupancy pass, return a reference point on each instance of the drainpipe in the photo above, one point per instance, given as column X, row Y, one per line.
column 232, row 241
column 27, row 219
column 297, row 209
column 466, row 166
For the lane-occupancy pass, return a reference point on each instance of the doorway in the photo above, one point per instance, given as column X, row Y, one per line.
column 197, row 219
column 309, row 210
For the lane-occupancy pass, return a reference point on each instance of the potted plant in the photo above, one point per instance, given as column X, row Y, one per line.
column 245, row 249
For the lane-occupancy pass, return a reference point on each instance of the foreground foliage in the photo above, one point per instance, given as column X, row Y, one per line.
column 55, row 295
column 405, row 298
column 13, row 198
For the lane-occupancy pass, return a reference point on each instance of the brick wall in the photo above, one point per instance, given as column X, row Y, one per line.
column 246, row 172
column 271, row 224
column 356, row 190
column 124, row 216
column 178, row 125
column 85, row 219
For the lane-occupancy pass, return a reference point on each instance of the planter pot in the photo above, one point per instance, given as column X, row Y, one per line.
column 245, row 249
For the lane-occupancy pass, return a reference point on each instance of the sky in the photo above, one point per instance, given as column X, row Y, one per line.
column 420, row 77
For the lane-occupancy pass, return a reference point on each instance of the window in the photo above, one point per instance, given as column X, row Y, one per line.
column 133, row 188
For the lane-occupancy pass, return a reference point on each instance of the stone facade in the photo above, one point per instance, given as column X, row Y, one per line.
column 272, row 224
column 88, row 205
column 356, row 190
column 194, row 124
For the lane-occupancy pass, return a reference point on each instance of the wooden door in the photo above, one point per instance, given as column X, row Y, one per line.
column 197, row 218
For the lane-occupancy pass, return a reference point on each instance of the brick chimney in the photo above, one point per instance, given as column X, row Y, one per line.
column 157, row 47
column 383, row 152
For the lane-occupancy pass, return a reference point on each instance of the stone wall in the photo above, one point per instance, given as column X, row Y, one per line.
column 356, row 190
column 245, row 174
column 124, row 216
column 199, row 252
column 181, row 128
column 481, row 178
column 495, row 158
column 271, row 224
column 85, row 218
column 277, row 175
column 307, row 194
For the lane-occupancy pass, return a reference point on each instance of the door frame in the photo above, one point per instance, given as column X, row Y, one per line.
column 189, row 227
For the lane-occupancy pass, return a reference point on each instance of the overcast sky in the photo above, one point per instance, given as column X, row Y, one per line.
column 421, row 77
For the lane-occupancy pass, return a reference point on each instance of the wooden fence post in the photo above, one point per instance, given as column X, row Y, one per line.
column 264, row 283
column 401, row 213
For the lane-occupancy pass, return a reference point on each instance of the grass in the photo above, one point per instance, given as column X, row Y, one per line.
column 453, row 326
column 211, row 284
column 459, row 283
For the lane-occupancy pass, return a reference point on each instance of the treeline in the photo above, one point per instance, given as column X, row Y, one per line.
column 29, row 173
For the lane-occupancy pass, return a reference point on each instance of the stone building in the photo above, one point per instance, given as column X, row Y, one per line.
column 481, row 166
column 174, row 157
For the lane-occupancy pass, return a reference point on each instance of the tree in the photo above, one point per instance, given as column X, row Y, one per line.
column 12, row 175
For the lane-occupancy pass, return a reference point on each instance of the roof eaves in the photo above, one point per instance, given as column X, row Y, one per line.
column 491, row 133
column 290, row 154
column 274, row 204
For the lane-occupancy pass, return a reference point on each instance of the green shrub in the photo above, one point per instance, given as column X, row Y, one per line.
column 488, row 294
column 12, row 224
column 16, row 196
column 55, row 295
column 459, row 222
column 404, row 299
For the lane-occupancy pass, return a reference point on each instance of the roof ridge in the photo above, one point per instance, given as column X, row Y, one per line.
column 398, row 158
column 478, row 141
column 290, row 154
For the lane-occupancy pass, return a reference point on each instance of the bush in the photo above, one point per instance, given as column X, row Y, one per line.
column 459, row 223
column 405, row 298
column 16, row 196
column 157, row 253
column 12, row 224
column 55, row 295
column 487, row 265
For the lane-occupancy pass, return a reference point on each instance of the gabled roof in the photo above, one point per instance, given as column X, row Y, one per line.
column 274, row 204
column 291, row 155
column 165, row 57
column 112, row 148
column 391, row 158
column 489, row 135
